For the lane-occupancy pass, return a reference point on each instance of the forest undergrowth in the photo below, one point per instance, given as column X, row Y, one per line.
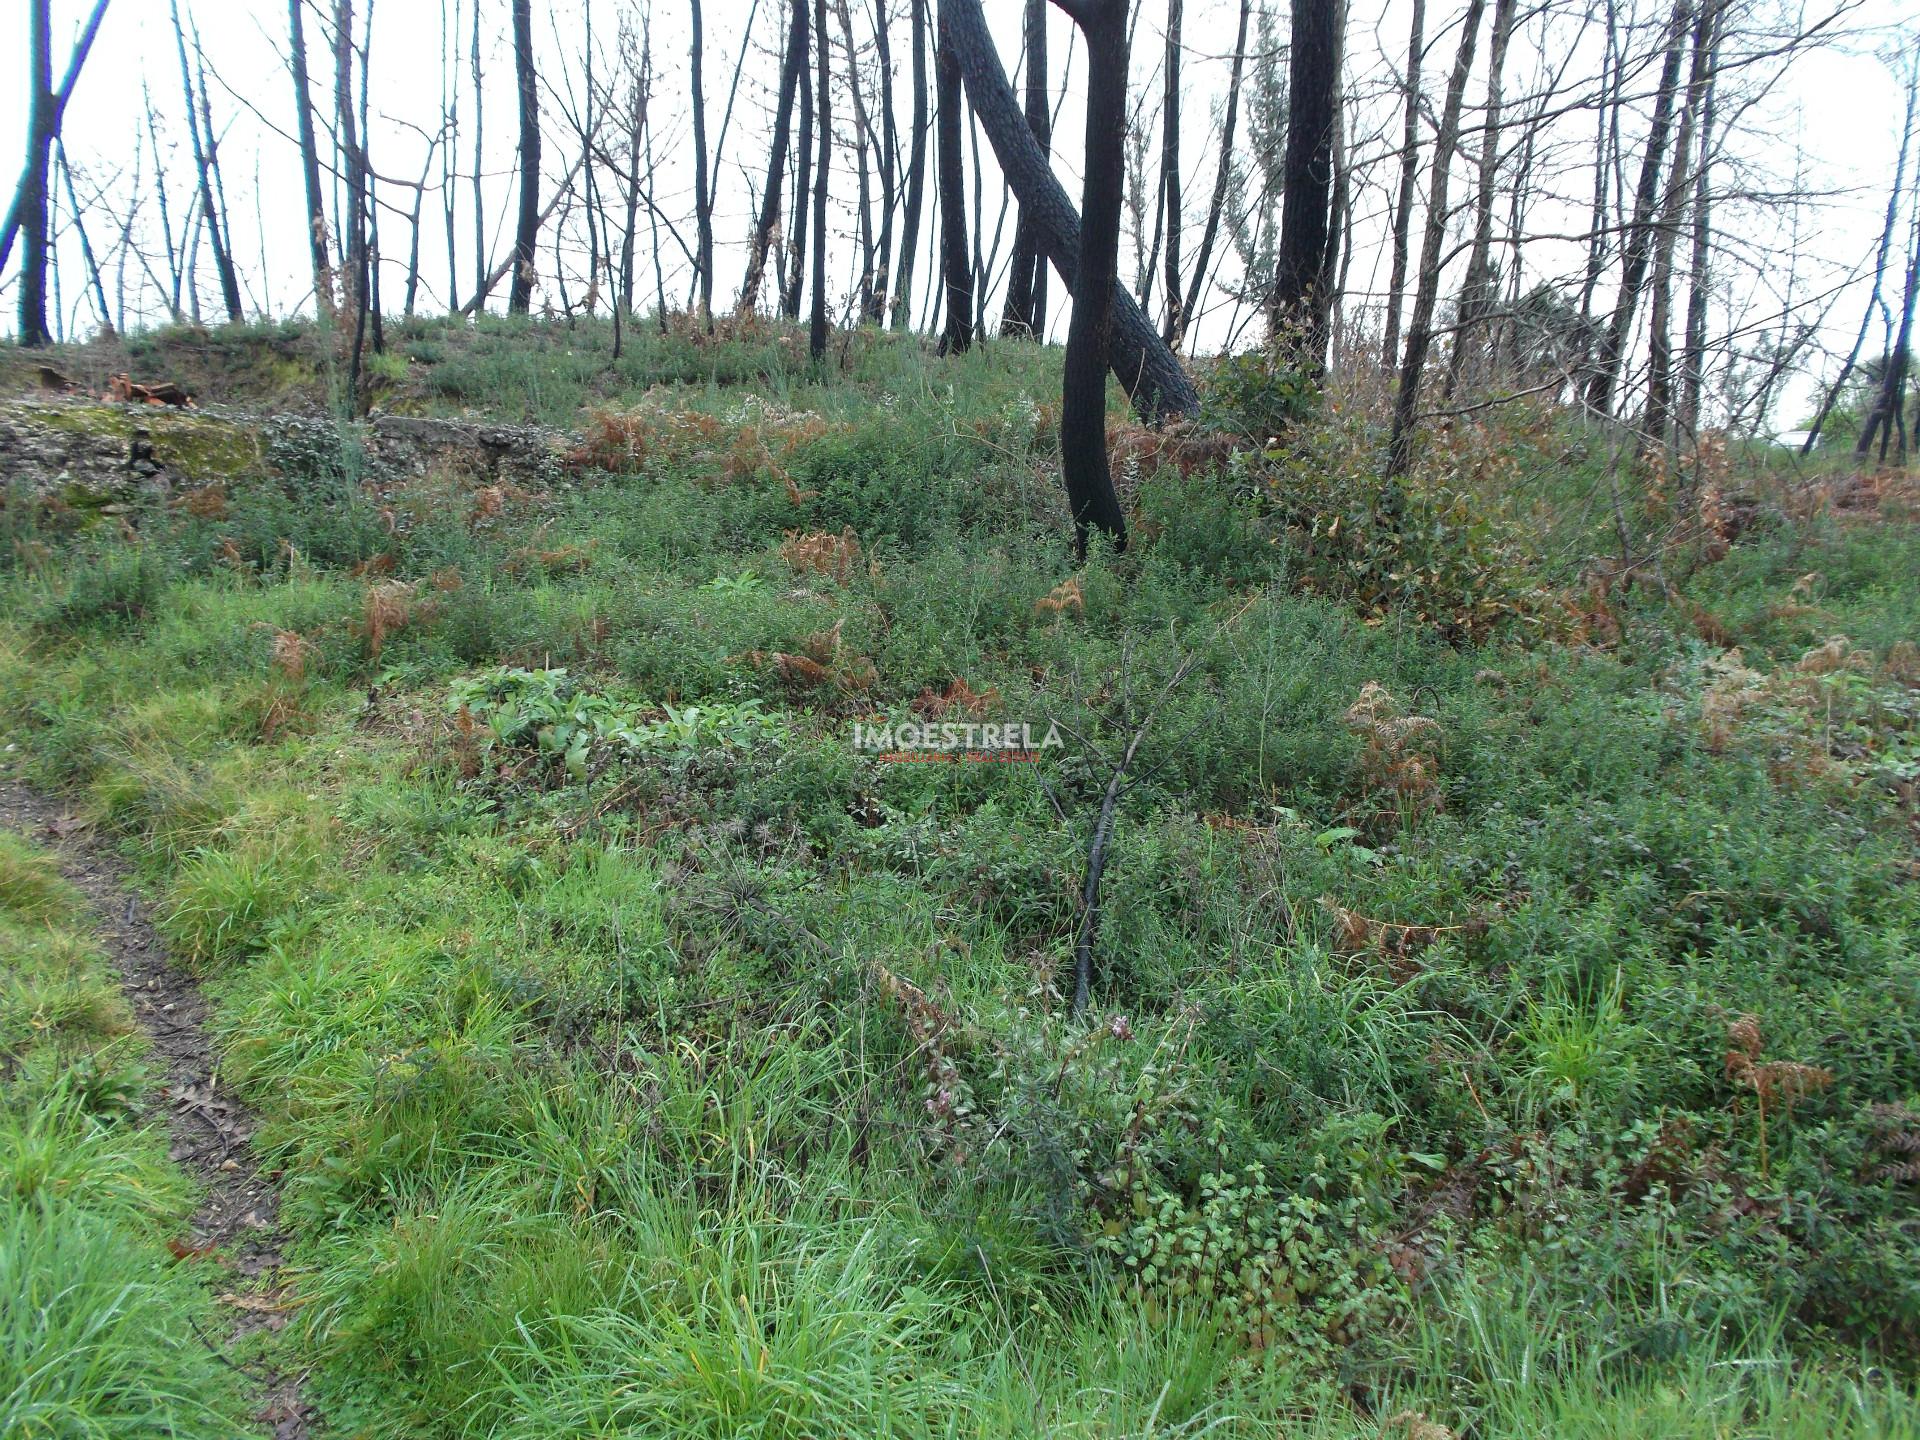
column 1505, row 1012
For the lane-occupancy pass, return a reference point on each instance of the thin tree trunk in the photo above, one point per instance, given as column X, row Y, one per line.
column 1613, row 345
column 861, row 134
column 803, row 187
column 702, row 196
column 480, row 284
column 202, row 164
column 1693, row 362
column 1476, row 291
column 769, row 221
column 817, row 330
column 1659, row 412
column 1023, row 313
column 889, row 145
column 1223, row 177
column 1406, row 406
column 87, row 257
column 310, row 165
column 916, row 173
column 1172, row 324
column 33, row 175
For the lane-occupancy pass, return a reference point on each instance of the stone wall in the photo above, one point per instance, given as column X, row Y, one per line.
column 92, row 454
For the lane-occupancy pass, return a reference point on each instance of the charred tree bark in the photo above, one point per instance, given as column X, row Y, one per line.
column 1173, row 324
column 956, row 268
column 520, row 294
column 1406, row 404
column 1301, row 298
column 480, row 284
column 889, row 146
column 1639, row 251
column 862, row 137
column 763, row 231
column 817, row 330
column 916, row 174
column 1084, row 464
column 803, row 182
column 1141, row 361
column 1025, row 310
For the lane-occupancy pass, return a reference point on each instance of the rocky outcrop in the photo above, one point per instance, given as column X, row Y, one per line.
column 95, row 455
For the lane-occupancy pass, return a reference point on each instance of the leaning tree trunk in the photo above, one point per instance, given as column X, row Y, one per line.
column 1141, row 361
column 817, row 331
column 956, row 270
column 1083, row 388
column 1301, row 300
column 520, row 295
column 1406, row 403
column 1659, row 412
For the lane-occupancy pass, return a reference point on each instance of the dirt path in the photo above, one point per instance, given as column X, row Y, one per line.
column 237, row 1222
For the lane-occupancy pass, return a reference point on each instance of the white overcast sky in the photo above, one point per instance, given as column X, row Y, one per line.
column 1829, row 123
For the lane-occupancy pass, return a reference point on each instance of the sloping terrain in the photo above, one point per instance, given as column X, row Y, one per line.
column 1503, row 1006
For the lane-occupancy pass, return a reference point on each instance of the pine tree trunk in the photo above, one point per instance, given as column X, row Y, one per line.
column 1173, row 323
column 1476, row 292
column 310, row 165
column 1223, row 176
column 763, row 231
column 33, row 185
column 1300, row 303
column 702, row 196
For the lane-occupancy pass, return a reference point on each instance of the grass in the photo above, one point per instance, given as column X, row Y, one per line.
column 642, row 1060
column 100, row 1329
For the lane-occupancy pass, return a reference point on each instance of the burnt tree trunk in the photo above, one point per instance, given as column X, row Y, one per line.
column 1141, row 361
column 956, row 269
column 1301, row 302
column 916, row 175
column 1477, row 290
column 1173, row 324
column 33, row 184
column 763, row 230
column 203, row 145
column 803, row 178
column 1025, row 310
column 817, row 330
column 1083, row 387
column 520, row 294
